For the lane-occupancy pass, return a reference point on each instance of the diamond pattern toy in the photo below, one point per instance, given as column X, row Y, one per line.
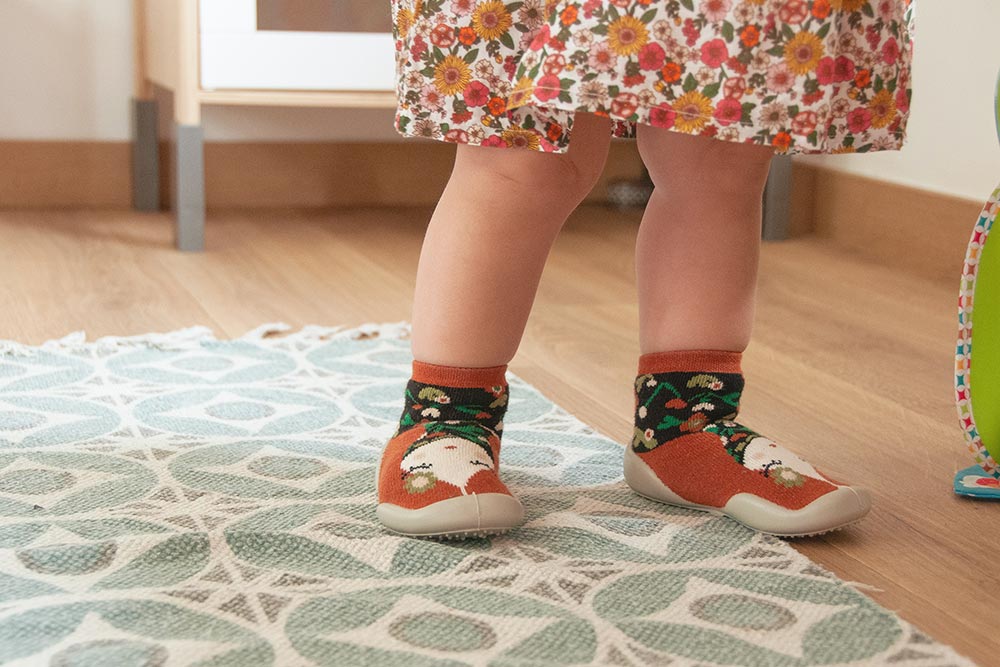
column 977, row 359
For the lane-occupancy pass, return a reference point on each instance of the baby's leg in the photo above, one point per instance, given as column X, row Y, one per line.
column 696, row 256
column 479, row 268
column 487, row 243
column 697, row 265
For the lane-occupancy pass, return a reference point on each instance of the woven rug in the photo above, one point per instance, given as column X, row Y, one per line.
column 178, row 500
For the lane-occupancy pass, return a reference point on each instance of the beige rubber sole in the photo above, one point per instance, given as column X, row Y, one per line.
column 831, row 511
column 474, row 515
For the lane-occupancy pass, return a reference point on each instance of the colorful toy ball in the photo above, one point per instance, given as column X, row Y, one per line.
column 977, row 362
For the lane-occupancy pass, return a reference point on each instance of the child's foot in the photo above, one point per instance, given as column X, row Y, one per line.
column 438, row 474
column 687, row 450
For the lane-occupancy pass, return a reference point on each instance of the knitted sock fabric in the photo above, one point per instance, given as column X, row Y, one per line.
column 685, row 431
column 448, row 440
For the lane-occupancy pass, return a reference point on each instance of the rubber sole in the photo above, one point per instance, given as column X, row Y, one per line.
column 835, row 510
column 474, row 515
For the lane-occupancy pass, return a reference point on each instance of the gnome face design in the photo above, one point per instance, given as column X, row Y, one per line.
column 451, row 460
column 762, row 454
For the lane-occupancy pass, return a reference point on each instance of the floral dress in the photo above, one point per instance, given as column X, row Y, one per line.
column 803, row 76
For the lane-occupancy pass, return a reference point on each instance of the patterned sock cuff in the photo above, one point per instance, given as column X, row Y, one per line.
column 454, row 376
column 706, row 361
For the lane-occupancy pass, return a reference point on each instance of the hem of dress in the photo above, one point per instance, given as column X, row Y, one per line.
column 899, row 137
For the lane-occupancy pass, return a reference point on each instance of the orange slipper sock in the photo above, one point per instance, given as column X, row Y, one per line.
column 688, row 450
column 439, row 473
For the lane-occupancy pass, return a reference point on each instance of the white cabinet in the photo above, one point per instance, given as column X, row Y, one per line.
column 333, row 53
column 296, row 45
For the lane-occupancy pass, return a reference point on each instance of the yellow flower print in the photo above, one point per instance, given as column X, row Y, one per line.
column 627, row 35
column 848, row 5
column 491, row 20
column 803, row 52
column 404, row 21
column 452, row 75
column 693, row 111
column 883, row 108
column 518, row 137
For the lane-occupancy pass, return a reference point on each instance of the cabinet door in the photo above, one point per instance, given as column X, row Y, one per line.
column 296, row 45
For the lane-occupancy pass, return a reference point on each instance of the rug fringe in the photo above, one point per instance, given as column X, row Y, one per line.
column 193, row 337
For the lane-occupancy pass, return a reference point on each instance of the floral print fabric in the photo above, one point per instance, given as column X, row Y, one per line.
column 803, row 76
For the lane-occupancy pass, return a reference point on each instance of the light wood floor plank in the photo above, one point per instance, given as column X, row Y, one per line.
column 851, row 363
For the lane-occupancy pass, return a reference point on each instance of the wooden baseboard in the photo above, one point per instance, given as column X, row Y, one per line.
column 252, row 175
column 921, row 232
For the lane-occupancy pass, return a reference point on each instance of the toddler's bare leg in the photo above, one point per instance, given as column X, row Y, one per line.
column 699, row 242
column 487, row 242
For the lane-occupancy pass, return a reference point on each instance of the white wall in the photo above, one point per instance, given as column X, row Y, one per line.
column 952, row 143
column 66, row 73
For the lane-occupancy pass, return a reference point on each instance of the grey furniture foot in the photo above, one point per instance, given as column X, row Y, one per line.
column 189, row 187
column 777, row 199
column 145, row 156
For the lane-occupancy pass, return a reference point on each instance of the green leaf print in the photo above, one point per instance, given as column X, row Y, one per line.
column 727, row 31
column 690, row 83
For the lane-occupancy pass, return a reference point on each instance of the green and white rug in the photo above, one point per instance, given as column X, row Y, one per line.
column 178, row 500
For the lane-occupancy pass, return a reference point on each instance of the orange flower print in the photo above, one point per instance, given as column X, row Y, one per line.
column 568, row 15
column 781, row 141
column 821, row 9
column 750, row 36
column 671, row 72
column 497, row 106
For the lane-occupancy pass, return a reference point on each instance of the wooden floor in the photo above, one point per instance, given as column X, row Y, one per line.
column 851, row 363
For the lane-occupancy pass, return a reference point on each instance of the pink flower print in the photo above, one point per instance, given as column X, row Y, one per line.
column 443, row 35
column 462, row 7
column 793, row 12
column 691, row 32
column 890, row 51
column 728, row 111
column 715, row 10
column 457, row 136
column 554, row 64
column 494, row 141
column 548, row 88
column 476, row 94
column 652, row 56
column 418, row 48
column 826, row 71
column 624, row 105
column 432, row 98
column 805, row 123
column 662, row 115
column 714, row 53
column 734, row 87
column 541, row 38
column 859, row 120
column 779, row 78
column 902, row 101
column 602, row 58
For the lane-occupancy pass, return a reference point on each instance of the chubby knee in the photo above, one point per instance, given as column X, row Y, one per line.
column 570, row 176
column 675, row 160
